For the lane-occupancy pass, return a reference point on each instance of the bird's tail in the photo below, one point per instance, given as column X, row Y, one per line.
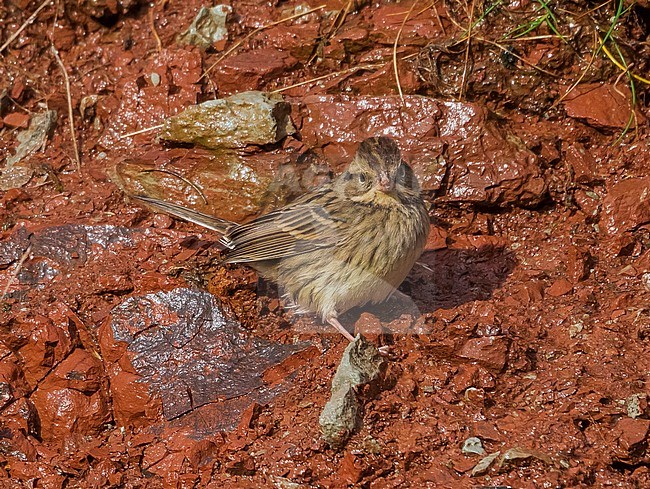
column 221, row 226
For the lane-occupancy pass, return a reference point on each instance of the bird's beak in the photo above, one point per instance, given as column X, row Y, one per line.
column 385, row 184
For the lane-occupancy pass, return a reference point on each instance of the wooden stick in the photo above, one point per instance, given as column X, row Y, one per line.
column 251, row 34
column 140, row 131
column 70, row 113
column 14, row 274
column 25, row 24
column 322, row 77
column 399, row 33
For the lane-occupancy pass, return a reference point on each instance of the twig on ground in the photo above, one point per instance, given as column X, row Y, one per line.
column 77, row 158
column 323, row 77
column 399, row 33
column 180, row 177
column 435, row 12
column 336, row 25
column 140, row 131
column 252, row 33
column 16, row 271
column 25, row 24
column 152, row 24
column 467, row 48
column 582, row 75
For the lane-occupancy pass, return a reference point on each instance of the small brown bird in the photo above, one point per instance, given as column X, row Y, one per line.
column 344, row 244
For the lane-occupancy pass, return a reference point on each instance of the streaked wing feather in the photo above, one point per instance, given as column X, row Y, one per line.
column 304, row 226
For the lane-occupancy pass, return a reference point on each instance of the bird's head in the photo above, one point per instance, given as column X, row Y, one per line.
column 377, row 168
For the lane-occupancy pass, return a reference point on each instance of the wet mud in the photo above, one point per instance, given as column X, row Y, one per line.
column 517, row 351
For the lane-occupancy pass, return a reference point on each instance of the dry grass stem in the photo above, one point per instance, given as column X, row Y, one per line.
column 529, row 38
column 182, row 178
column 582, row 75
column 24, row 25
column 435, row 12
column 467, row 48
column 528, row 63
column 620, row 66
column 399, row 33
column 340, row 18
column 77, row 158
column 140, row 131
column 329, row 75
column 336, row 25
column 254, row 32
column 152, row 24
column 588, row 12
column 16, row 271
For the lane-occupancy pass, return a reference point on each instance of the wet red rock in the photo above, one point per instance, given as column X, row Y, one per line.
column 247, row 71
column 490, row 352
column 16, row 119
column 633, row 433
column 627, row 205
column 601, row 105
column 533, row 327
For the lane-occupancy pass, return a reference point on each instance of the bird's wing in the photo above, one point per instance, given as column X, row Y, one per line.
column 308, row 224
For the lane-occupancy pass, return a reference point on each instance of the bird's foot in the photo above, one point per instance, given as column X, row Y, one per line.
column 385, row 351
column 335, row 322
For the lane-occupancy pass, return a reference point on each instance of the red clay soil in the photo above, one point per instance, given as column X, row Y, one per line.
column 130, row 358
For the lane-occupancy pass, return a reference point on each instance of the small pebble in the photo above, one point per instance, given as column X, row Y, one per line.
column 162, row 221
column 473, row 445
column 633, row 405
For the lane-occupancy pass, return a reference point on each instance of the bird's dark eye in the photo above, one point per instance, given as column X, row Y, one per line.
column 362, row 178
column 401, row 172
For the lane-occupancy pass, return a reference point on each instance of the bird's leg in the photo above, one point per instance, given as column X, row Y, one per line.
column 335, row 322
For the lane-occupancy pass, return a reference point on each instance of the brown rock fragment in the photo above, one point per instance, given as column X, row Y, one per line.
column 251, row 69
column 531, row 291
column 41, row 472
column 560, row 287
column 486, row 431
column 70, row 400
column 349, row 470
column 627, row 205
column 80, row 371
column 12, row 382
column 133, row 404
column 15, row 442
column 470, row 376
column 368, row 324
column 600, row 105
column 489, row 351
column 437, row 239
column 582, row 163
column 298, row 39
column 388, row 19
column 22, row 415
column 241, row 465
column 489, row 168
column 632, row 431
column 169, row 354
column 47, row 344
column 578, row 262
column 16, row 119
